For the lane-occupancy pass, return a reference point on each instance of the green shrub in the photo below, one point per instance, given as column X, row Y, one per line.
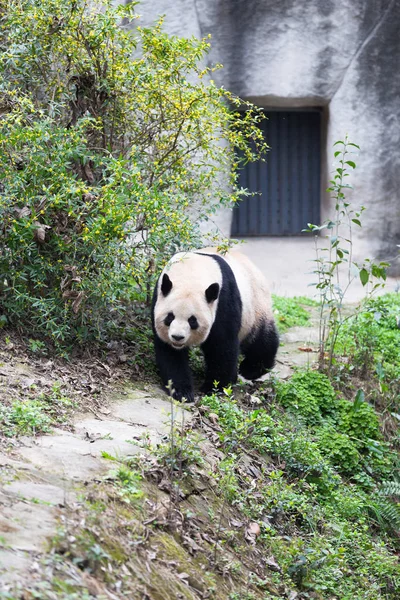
column 24, row 418
column 339, row 449
column 372, row 336
column 328, row 532
column 359, row 420
column 304, row 457
column 105, row 153
column 308, row 393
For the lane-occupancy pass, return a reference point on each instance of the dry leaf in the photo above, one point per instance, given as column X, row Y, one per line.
column 89, row 173
column 77, row 302
column 213, row 418
column 40, row 232
column 236, row 523
column 254, row 528
column 273, row 565
column 22, row 212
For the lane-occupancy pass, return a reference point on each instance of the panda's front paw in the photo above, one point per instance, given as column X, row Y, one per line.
column 183, row 393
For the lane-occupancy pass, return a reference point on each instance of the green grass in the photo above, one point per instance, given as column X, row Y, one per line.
column 291, row 312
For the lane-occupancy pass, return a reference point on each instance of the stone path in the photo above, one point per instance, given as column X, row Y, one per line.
column 45, row 474
column 299, row 348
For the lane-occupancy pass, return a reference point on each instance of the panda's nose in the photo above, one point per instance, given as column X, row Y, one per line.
column 177, row 338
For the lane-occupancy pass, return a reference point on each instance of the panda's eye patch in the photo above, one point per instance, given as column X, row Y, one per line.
column 193, row 322
column 169, row 318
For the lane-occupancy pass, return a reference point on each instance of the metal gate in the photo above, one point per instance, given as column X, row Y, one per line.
column 288, row 183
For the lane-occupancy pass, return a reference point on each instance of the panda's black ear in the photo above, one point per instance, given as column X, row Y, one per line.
column 166, row 285
column 212, row 292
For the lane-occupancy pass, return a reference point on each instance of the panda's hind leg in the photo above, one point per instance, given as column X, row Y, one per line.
column 259, row 350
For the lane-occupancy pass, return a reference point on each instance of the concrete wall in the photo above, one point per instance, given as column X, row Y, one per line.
column 343, row 56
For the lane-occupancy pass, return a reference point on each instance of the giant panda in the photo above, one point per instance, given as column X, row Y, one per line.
column 220, row 303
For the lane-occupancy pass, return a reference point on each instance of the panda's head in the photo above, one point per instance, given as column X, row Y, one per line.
column 185, row 309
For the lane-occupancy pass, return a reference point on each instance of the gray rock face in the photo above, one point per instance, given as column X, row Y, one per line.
column 342, row 56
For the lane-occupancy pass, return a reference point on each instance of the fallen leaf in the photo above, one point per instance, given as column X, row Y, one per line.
column 39, row 233
column 236, row 523
column 254, row 529
column 273, row 565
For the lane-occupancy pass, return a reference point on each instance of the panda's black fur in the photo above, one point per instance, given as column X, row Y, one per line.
column 221, row 349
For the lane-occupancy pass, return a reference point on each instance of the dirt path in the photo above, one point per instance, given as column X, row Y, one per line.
column 42, row 476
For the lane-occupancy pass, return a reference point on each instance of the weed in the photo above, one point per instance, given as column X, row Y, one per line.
column 37, row 347
column 128, row 483
column 370, row 343
column 310, row 394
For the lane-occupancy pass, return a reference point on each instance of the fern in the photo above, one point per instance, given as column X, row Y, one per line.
column 390, row 489
column 385, row 509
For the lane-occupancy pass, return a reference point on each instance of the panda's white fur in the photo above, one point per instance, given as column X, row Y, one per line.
column 228, row 300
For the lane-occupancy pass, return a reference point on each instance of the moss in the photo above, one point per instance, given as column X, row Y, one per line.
column 171, row 549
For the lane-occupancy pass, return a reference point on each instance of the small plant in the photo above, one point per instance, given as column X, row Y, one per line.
column 128, row 482
column 341, row 451
column 310, row 394
column 182, row 448
column 24, row 418
column 369, row 341
column 37, row 347
column 332, row 283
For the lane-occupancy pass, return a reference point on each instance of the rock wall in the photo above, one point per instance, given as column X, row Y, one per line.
column 343, row 56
